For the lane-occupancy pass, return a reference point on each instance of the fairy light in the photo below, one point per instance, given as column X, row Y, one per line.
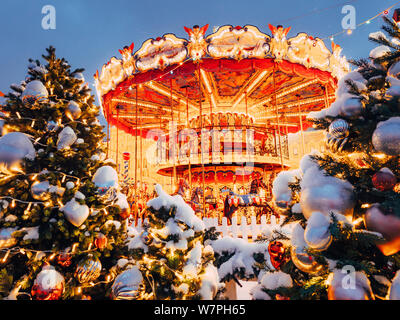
column 33, row 123
column 365, row 205
column 12, row 205
column 6, row 256
column 90, row 246
column 52, row 256
column 74, row 247
column 28, row 208
column 18, row 115
column 349, row 31
column 357, row 221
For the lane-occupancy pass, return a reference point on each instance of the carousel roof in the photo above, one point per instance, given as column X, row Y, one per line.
column 233, row 70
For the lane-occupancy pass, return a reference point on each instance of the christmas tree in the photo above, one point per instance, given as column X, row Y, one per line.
column 345, row 202
column 172, row 254
column 63, row 219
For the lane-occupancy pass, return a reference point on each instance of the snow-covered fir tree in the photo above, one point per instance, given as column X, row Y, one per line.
column 172, row 253
column 63, row 219
column 346, row 201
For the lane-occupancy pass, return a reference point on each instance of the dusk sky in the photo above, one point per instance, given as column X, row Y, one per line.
column 88, row 33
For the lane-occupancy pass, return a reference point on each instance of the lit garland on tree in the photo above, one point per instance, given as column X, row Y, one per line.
column 61, row 233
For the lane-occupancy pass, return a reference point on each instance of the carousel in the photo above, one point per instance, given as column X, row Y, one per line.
column 217, row 109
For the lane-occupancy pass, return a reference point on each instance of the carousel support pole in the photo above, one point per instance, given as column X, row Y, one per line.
column 108, row 138
column 173, row 177
column 116, row 150
column 201, row 144
column 303, row 149
column 136, row 151
column 277, row 117
column 190, row 151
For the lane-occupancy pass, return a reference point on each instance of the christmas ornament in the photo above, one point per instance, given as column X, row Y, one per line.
column 6, row 238
column 355, row 286
column 64, row 259
column 336, row 137
column 127, row 285
column 384, row 179
column 106, row 180
column 88, row 269
column 34, row 91
column 326, row 198
column 298, row 252
column 15, row 146
column 52, row 126
column 276, row 252
column 40, row 190
column 122, row 202
column 387, row 225
column 66, row 138
column 101, row 241
column 283, row 201
column 73, row 110
column 146, row 239
column 75, row 212
column 48, row 285
column 386, row 137
column 317, row 234
column 394, row 290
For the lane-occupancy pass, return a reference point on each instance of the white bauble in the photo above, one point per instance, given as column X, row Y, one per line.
column 75, row 212
column 15, row 146
column 66, row 138
column 386, row 137
column 34, row 90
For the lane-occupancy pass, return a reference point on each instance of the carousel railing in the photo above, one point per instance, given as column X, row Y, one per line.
column 245, row 229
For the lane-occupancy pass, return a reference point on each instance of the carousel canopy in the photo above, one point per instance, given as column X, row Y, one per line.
column 236, row 70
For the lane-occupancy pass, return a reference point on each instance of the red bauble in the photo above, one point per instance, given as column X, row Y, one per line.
column 276, row 252
column 125, row 213
column 64, row 259
column 101, row 241
column 384, row 180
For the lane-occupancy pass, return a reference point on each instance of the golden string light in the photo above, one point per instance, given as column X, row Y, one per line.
column 368, row 21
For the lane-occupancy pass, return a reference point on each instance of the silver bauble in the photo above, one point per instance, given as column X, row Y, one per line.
column 327, row 198
column 394, row 290
column 304, row 261
column 106, row 180
column 386, row 137
column 88, row 269
column 40, row 191
column 127, row 285
column 339, row 128
column 73, row 110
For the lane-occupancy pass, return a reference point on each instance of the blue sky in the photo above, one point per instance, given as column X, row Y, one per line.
column 89, row 32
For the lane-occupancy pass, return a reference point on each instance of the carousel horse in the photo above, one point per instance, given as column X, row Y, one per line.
column 234, row 201
column 181, row 188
